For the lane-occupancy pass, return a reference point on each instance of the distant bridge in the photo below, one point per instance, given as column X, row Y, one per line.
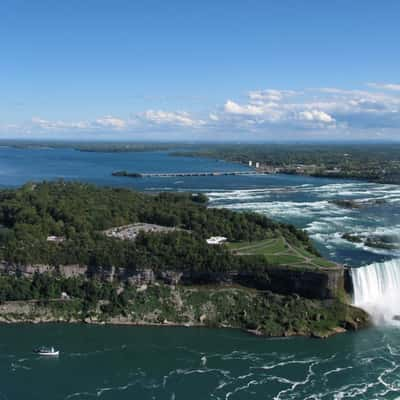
column 182, row 174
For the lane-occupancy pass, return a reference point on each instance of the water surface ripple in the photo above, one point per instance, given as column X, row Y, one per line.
column 181, row 363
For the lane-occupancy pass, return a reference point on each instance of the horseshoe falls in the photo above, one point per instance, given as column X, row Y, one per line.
column 377, row 290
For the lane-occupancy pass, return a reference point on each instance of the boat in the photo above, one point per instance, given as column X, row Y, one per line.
column 47, row 351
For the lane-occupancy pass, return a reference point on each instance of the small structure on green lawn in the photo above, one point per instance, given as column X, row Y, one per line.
column 55, row 239
column 216, row 240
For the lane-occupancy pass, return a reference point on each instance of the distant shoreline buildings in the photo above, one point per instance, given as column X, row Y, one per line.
column 256, row 164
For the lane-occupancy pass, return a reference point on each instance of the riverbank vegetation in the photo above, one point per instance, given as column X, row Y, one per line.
column 260, row 312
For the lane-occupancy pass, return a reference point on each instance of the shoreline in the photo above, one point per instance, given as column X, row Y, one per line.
column 251, row 332
column 275, row 316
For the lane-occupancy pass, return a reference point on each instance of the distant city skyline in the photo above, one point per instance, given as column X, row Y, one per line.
column 200, row 71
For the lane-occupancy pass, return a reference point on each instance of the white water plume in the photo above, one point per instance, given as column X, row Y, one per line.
column 377, row 290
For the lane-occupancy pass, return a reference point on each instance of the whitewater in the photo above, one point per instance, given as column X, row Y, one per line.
column 377, row 290
column 310, row 206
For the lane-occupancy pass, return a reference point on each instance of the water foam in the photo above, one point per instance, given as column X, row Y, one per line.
column 377, row 290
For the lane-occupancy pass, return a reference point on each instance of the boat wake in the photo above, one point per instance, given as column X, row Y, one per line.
column 271, row 376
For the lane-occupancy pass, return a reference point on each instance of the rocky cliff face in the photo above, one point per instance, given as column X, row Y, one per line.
column 28, row 270
column 321, row 283
column 327, row 283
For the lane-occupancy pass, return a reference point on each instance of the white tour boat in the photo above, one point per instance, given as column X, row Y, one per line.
column 47, row 351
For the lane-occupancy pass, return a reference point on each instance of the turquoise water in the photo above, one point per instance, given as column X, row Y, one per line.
column 166, row 363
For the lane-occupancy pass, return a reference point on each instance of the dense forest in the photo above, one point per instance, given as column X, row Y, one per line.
column 79, row 213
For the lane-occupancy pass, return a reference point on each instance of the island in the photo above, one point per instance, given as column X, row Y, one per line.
column 127, row 174
column 75, row 252
column 384, row 242
column 354, row 204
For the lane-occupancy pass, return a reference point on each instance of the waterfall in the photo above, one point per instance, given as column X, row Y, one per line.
column 377, row 290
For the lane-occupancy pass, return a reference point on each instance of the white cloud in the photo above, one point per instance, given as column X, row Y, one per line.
column 316, row 115
column 269, row 95
column 46, row 124
column 263, row 113
column 106, row 122
column 278, row 113
column 213, row 117
column 385, row 86
column 314, row 109
column 109, row 121
column 180, row 118
column 271, row 112
column 234, row 108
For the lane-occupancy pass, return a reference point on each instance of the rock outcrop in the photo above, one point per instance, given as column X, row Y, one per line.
column 319, row 283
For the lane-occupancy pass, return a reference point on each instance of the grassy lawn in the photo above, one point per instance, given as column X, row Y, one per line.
column 270, row 246
column 277, row 251
column 322, row 262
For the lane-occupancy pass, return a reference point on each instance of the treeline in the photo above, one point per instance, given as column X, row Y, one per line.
column 45, row 288
column 373, row 162
column 178, row 251
column 78, row 213
column 329, row 155
column 70, row 209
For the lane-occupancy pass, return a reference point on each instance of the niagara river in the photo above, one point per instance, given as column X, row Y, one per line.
column 181, row 363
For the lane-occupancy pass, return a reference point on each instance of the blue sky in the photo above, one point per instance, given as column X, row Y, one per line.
column 225, row 70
